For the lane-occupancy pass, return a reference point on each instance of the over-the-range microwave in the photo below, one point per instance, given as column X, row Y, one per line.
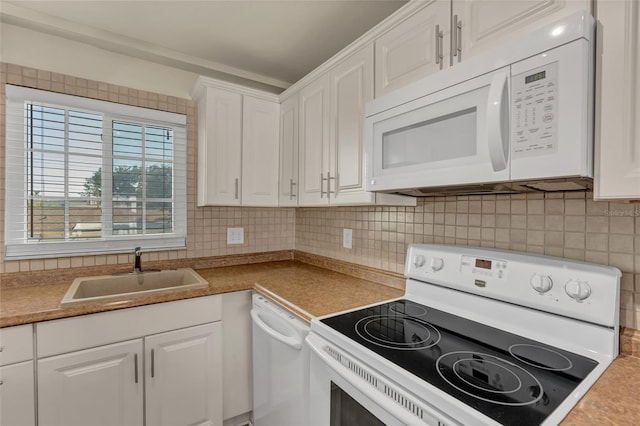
column 516, row 118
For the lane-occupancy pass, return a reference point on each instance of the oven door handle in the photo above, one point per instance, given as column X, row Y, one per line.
column 287, row 340
column 366, row 388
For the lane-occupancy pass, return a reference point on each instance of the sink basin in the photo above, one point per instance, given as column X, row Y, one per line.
column 104, row 287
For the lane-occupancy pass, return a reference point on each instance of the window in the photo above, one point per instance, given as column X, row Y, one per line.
column 87, row 176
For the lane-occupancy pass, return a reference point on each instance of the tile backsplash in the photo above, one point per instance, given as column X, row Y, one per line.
column 569, row 225
column 560, row 224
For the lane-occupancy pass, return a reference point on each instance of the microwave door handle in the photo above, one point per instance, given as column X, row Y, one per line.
column 498, row 121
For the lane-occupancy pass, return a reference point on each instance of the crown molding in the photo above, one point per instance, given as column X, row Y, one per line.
column 202, row 83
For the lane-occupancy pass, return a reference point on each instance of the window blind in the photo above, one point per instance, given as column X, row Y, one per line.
column 87, row 176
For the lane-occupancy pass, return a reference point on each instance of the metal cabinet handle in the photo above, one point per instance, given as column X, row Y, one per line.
column 237, row 180
column 135, row 361
column 457, row 31
column 153, row 363
column 329, row 179
column 439, row 50
column 291, row 185
column 322, row 179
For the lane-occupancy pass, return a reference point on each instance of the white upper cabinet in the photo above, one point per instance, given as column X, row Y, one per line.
column 219, row 147
column 314, row 142
column 441, row 33
column 351, row 87
column 331, row 156
column 414, row 48
column 482, row 24
column 260, row 146
column 238, row 138
column 617, row 166
column 289, row 151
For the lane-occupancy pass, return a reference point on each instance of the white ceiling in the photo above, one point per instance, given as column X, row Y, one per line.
column 270, row 42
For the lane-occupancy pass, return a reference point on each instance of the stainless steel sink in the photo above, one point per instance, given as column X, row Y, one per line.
column 104, row 287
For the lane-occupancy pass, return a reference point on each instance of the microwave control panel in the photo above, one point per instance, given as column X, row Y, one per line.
column 535, row 111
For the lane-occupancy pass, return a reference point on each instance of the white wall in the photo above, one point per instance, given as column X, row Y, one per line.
column 38, row 50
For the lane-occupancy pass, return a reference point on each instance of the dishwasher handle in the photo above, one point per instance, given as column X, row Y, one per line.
column 287, row 340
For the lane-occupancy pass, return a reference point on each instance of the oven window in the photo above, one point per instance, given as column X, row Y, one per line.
column 345, row 411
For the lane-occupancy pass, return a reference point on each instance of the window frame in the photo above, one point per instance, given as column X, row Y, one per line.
column 17, row 245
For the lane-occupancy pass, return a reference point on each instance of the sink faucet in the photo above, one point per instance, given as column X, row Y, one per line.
column 137, row 264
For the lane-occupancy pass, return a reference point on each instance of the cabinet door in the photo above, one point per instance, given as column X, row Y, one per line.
column 351, row 88
column 17, row 403
column 99, row 386
column 260, row 144
column 184, row 376
column 314, row 142
column 219, row 147
column 236, row 354
column 617, row 166
column 486, row 23
column 407, row 52
column 289, row 152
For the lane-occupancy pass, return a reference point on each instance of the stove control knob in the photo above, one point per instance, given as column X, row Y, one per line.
column 418, row 260
column 541, row 283
column 436, row 264
column 577, row 290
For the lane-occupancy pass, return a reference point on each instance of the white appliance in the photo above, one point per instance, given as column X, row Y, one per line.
column 280, row 365
column 516, row 118
column 481, row 337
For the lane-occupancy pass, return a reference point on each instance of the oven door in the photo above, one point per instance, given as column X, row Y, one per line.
column 457, row 135
column 343, row 396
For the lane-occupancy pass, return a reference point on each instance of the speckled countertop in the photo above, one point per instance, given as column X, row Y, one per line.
column 314, row 291
column 308, row 290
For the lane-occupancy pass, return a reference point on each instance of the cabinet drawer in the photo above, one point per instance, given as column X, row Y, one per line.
column 72, row 334
column 16, row 344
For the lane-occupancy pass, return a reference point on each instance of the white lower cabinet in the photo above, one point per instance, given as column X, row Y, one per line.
column 182, row 376
column 17, row 404
column 98, row 386
column 17, row 395
column 237, row 395
column 155, row 365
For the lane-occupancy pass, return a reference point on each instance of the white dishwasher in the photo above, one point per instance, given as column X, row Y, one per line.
column 280, row 365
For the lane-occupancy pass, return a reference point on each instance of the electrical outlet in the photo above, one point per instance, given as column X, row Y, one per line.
column 235, row 235
column 347, row 236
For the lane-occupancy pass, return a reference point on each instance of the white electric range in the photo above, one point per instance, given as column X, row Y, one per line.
column 481, row 337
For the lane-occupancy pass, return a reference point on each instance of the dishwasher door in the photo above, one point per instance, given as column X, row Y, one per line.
column 280, row 365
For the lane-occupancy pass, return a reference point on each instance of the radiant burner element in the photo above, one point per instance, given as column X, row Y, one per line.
column 489, row 378
column 398, row 332
column 540, row 357
column 409, row 310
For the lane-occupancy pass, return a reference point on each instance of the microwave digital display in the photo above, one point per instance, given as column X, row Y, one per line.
column 535, row 77
column 482, row 263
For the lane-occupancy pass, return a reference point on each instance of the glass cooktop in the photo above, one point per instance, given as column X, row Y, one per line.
column 511, row 379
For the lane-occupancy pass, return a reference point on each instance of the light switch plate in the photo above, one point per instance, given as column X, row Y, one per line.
column 347, row 237
column 235, row 235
